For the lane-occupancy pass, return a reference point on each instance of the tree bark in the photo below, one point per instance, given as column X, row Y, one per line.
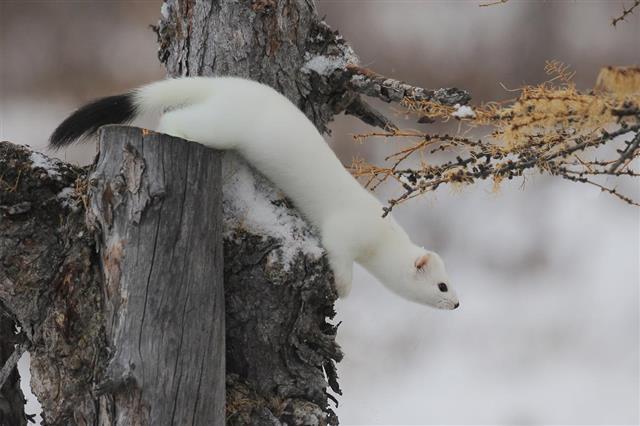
column 280, row 43
column 50, row 281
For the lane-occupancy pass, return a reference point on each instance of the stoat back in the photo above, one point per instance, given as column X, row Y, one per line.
column 252, row 118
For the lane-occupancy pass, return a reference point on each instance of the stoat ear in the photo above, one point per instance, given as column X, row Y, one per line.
column 422, row 261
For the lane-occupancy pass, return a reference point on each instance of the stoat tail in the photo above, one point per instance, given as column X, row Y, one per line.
column 124, row 108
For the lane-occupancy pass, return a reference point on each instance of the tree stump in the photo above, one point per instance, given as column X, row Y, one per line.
column 157, row 201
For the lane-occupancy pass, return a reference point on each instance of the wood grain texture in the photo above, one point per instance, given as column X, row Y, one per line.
column 157, row 203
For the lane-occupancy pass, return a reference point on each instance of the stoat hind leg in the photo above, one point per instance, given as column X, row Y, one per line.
column 342, row 273
column 197, row 123
column 170, row 124
column 334, row 240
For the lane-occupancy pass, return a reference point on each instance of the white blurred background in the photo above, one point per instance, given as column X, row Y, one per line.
column 548, row 275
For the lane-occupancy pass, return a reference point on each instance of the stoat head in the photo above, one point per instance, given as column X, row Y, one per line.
column 427, row 282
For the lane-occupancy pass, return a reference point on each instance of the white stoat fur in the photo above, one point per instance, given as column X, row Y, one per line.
column 280, row 141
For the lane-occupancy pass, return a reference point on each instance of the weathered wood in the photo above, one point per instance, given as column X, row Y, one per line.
column 157, row 203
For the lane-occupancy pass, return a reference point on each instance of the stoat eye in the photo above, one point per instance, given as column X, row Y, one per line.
column 443, row 287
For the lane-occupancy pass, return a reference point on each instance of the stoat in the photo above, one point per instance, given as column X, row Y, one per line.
column 280, row 141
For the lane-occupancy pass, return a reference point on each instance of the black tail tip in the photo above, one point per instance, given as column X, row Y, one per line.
column 88, row 119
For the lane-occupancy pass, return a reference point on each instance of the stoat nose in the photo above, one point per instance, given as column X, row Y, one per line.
column 456, row 305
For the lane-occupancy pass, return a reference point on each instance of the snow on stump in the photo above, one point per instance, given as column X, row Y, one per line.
column 281, row 349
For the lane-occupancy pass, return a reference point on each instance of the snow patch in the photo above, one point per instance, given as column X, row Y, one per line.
column 32, row 406
column 41, row 161
column 327, row 64
column 463, row 111
column 65, row 193
column 324, row 65
column 66, row 198
column 251, row 203
column 164, row 11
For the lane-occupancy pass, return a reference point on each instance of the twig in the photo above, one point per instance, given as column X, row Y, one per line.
column 603, row 188
column 625, row 112
column 487, row 161
column 625, row 13
column 493, row 3
column 368, row 114
column 627, row 154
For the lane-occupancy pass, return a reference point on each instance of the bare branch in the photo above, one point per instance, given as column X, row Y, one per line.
column 370, row 83
column 627, row 154
column 368, row 114
column 625, row 13
column 487, row 161
column 603, row 188
column 493, row 3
